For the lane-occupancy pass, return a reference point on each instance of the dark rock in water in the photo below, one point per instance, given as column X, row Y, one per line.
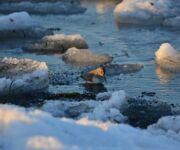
column 150, row 94
column 58, row 43
column 29, row 33
column 31, row 99
column 116, row 69
column 75, row 111
column 71, row 96
column 42, row 7
column 142, row 113
column 54, row 29
column 101, row 43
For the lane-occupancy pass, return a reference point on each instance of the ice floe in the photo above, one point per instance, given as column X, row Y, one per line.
column 43, row 7
column 18, row 76
column 38, row 130
column 168, row 58
column 20, row 24
column 58, row 43
column 147, row 12
column 85, row 57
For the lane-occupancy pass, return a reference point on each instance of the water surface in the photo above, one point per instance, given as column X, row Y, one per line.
column 127, row 44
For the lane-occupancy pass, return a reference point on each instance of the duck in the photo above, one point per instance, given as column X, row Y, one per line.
column 168, row 58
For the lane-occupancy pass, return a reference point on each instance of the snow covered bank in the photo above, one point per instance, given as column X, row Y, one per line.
column 43, row 7
column 85, row 57
column 168, row 58
column 147, row 12
column 38, row 130
column 18, row 76
column 21, row 25
column 58, row 43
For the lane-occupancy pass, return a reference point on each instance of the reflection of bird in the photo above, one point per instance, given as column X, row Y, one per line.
column 168, row 58
column 95, row 76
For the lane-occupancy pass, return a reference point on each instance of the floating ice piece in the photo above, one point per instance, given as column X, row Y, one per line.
column 145, row 11
column 38, row 130
column 20, row 24
column 85, row 57
column 58, row 43
column 43, row 7
column 18, row 20
column 19, row 76
column 168, row 58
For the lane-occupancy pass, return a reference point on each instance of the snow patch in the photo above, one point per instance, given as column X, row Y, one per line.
column 110, row 109
column 38, row 130
column 44, row 143
column 107, row 110
column 169, row 126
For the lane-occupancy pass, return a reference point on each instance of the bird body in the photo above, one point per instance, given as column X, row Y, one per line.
column 95, row 76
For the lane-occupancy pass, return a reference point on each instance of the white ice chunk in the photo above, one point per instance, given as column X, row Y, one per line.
column 57, row 43
column 110, row 109
column 85, row 57
column 145, row 11
column 18, row 20
column 169, row 125
column 22, row 75
column 38, row 130
column 20, row 25
column 168, row 58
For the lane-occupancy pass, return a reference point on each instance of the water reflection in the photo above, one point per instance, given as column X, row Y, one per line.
column 95, row 88
column 102, row 6
column 164, row 75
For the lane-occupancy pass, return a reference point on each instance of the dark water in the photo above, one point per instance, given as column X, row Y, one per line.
column 127, row 44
